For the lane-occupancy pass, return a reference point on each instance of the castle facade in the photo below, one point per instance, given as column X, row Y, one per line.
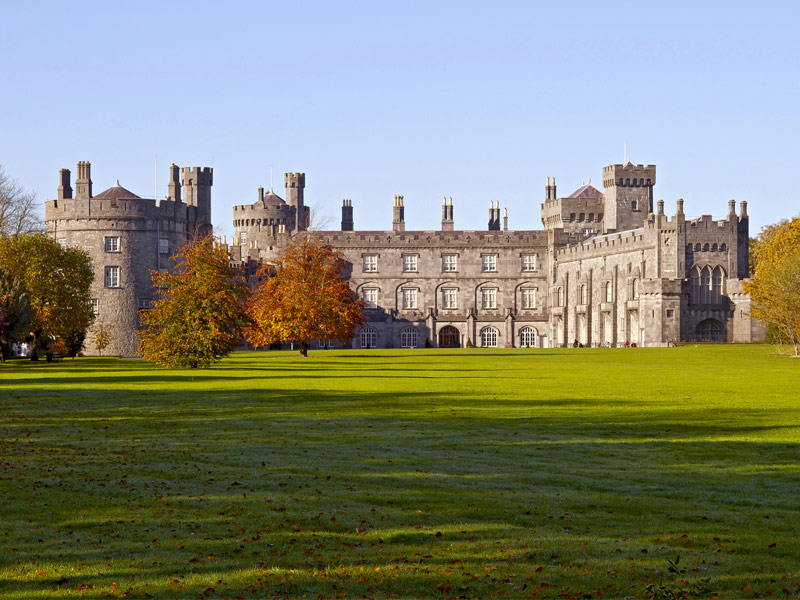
column 610, row 268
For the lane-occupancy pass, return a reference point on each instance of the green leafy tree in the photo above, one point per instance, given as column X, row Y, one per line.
column 200, row 316
column 58, row 281
column 15, row 313
column 775, row 285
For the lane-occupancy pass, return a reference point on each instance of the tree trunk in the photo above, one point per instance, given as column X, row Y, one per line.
column 304, row 348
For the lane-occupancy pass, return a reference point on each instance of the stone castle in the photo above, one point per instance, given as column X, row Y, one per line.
column 610, row 268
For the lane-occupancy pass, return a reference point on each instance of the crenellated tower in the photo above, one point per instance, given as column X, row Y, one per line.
column 295, row 185
column 628, row 195
column 196, row 183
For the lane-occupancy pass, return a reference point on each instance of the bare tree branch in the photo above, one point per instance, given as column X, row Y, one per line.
column 19, row 210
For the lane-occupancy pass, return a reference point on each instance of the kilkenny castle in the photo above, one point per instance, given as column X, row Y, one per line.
column 609, row 268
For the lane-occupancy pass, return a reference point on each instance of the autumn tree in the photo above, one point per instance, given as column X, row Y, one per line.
column 19, row 210
column 775, row 284
column 15, row 313
column 304, row 295
column 102, row 338
column 199, row 318
column 58, row 281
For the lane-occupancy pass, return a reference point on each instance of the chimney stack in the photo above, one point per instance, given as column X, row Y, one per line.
column 174, row 187
column 64, row 188
column 398, row 215
column 505, row 219
column 347, row 215
column 83, row 183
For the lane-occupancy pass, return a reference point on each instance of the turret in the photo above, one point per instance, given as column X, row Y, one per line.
column 398, row 215
column 628, row 195
column 196, row 183
column 447, row 215
column 347, row 215
column 174, row 187
column 64, row 188
column 295, row 185
column 83, row 182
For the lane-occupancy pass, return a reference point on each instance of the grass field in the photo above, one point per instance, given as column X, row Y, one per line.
column 431, row 474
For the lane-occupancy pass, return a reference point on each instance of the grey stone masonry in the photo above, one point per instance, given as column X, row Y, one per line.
column 127, row 237
column 608, row 269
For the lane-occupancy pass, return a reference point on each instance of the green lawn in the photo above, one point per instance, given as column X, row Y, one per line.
column 438, row 473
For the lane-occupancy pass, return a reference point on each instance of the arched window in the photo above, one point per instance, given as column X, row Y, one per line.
column 408, row 338
column 717, row 285
column 584, row 294
column 723, row 248
column 560, row 297
column 599, row 217
column 713, row 247
column 694, row 284
column 697, row 247
column 591, row 218
column 705, row 247
column 705, row 286
column 709, row 330
column 571, row 217
column 627, row 181
column 369, row 337
column 488, row 337
column 635, row 289
column 609, row 292
column 581, row 217
column 620, row 181
column 527, row 337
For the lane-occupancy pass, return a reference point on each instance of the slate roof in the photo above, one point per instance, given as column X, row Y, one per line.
column 271, row 199
column 586, row 191
column 116, row 192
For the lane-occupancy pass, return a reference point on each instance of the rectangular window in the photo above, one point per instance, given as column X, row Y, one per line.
column 370, row 296
column 112, row 244
column 94, row 304
column 450, row 298
column 112, row 277
column 409, row 299
column 242, row 238
column 489, row 296
column 670, row 313
column 62, row 242
column 163, row 246
column 489, row 262
column 449, row 263
column 528, row 262
column 410, row 263
column 370, row 263
column 528, row 298
column 144, row 303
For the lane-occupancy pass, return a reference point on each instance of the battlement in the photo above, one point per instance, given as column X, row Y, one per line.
column 446, row 240
column 629, row 175
column 197, row 176
column 120, row 208
column 294, row 180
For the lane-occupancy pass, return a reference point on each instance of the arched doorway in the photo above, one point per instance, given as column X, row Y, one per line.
column 709, row 330
column 449, row 337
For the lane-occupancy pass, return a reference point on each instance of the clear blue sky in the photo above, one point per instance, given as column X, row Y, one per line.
column 478, row 101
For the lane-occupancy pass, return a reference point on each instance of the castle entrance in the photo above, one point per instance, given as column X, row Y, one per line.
column 449, row 337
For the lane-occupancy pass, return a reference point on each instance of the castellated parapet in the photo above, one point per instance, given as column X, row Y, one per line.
column 127, row 237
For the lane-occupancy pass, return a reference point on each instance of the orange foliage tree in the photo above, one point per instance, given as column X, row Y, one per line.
column 775, row 285
column 200, row 317
column 304, row 295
